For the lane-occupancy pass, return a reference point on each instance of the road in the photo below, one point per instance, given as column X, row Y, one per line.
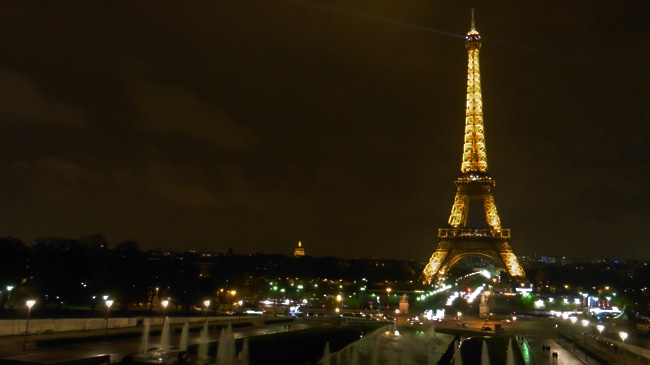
column 532, row 346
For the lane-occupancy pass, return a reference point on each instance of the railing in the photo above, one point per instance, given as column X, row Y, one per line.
column 473, row 233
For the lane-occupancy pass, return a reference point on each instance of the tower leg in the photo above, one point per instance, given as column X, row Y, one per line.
column 458, row 215
column 433, row 267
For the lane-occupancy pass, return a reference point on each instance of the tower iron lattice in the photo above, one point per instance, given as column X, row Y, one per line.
column 457, row 240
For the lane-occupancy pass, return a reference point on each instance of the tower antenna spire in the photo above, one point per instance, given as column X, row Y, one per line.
column 473, row 25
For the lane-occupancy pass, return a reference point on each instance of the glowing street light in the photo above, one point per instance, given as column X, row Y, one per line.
column 206, row 304
column 623, row 337
column 600, row 329
column 165, row 303
column 388, row 290
column 232, row 301
column 573, row 320
column 585, row 323
column 30, row 303
column 109, row 303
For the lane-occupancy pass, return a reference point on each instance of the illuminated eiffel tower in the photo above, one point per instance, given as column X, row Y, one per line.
column 474, row 184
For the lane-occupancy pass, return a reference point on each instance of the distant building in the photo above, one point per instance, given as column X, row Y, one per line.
column 299, row 251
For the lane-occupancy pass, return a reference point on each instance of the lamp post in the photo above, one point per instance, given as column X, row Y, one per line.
column 514, row 325
column 30, row 303
column 600, row 329
column 233, row 293
column 623, row 337
column 338, row 303
column 388, row 290
column 206, row 303
column 573, row 337
column 164, row 303
column 585, row 323
column 109, row 303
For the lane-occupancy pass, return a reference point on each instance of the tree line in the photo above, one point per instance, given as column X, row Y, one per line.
column 74, row 275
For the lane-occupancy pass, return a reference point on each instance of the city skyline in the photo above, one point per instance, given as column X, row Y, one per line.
column 337, row 124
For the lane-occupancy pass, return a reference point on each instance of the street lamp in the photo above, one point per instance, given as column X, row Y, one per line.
column 600, row 329
column 514, row 325
column 388, row 290
column 585, row 323
column 573, row 337
column 164, row 303
column 206, row 303
column 30, row 303
column 339, row 298
column 109, row 303
column 623, row 337
column 233, row 293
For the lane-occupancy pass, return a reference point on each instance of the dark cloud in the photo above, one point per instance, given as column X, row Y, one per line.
column 254, row 125
column 22, row 101
column 180, row 112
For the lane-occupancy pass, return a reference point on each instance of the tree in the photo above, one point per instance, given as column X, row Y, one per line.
column 14, row 260
column 129, row 275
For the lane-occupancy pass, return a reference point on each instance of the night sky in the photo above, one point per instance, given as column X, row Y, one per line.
column 252, row 125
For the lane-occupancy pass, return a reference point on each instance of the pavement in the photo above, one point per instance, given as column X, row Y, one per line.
column 532, row 346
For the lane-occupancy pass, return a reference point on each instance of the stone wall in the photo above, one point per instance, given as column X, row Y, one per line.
column 48, row 325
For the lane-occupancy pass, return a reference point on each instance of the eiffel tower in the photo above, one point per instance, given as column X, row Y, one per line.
column 458, row 240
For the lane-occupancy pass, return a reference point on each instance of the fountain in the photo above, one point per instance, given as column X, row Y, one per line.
column 243, row 354
column 204, row 342
column 510, row 356
column 164, row 338
column 226, row 348
column 144, row 345
column 185, row 337
column 458, row 358
column 374, row 352
column 485, row 357
column 355, row 355
column 388, row 346
column 326, row 355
